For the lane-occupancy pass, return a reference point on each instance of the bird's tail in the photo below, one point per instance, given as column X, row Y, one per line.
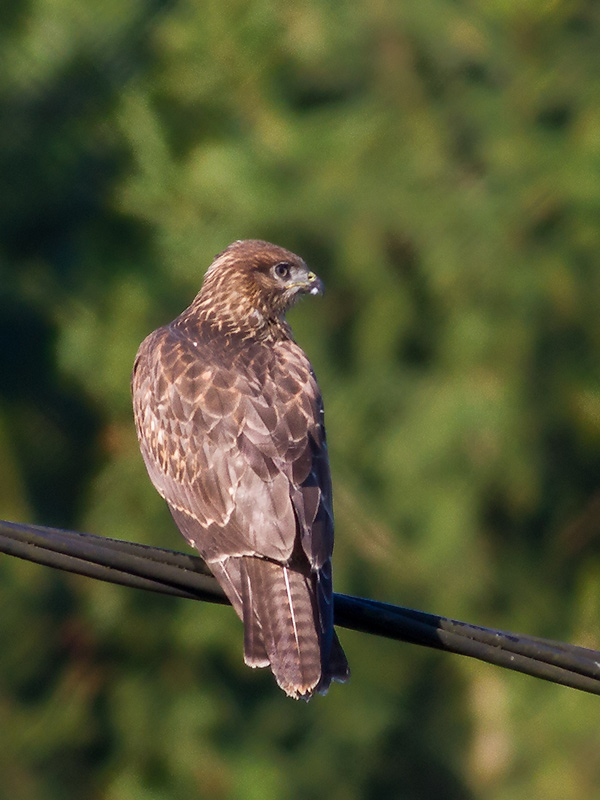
column 283, row 626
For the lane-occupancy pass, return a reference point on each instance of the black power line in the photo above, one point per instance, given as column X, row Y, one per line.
column 170, row 572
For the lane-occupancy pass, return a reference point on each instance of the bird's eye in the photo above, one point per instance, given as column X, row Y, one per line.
column 282, row 270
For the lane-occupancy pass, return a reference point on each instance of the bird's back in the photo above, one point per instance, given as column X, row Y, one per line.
column 231, row 430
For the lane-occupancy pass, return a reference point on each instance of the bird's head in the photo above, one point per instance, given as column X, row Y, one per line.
column 252, row 284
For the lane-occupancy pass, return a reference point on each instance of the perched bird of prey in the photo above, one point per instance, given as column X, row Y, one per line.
column 229, row 418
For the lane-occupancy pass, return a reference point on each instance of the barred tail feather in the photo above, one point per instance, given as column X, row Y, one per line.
column 288, row 622
column 255, row 654
column 283, row 600
column 231, row 577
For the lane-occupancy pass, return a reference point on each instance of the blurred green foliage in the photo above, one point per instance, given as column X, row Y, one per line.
column 438, row 164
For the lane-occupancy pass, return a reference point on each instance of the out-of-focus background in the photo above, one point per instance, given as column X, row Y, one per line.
column 438, row 164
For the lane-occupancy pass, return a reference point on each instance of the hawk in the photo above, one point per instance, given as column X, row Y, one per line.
column 229, row 418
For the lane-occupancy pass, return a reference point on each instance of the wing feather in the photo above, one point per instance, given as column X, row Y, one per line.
column 235, row 443
column 232, row 444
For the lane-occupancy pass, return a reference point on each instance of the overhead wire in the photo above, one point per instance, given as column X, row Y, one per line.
column 184, row 575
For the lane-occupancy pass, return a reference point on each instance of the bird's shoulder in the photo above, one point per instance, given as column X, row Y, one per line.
column 266, row 391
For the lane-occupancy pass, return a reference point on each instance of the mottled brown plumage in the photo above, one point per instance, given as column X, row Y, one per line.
column 230, row 423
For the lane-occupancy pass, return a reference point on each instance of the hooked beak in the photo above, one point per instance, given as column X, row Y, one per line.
column 313, row 284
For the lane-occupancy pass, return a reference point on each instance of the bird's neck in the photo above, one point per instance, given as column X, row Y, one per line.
column 235, row 320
